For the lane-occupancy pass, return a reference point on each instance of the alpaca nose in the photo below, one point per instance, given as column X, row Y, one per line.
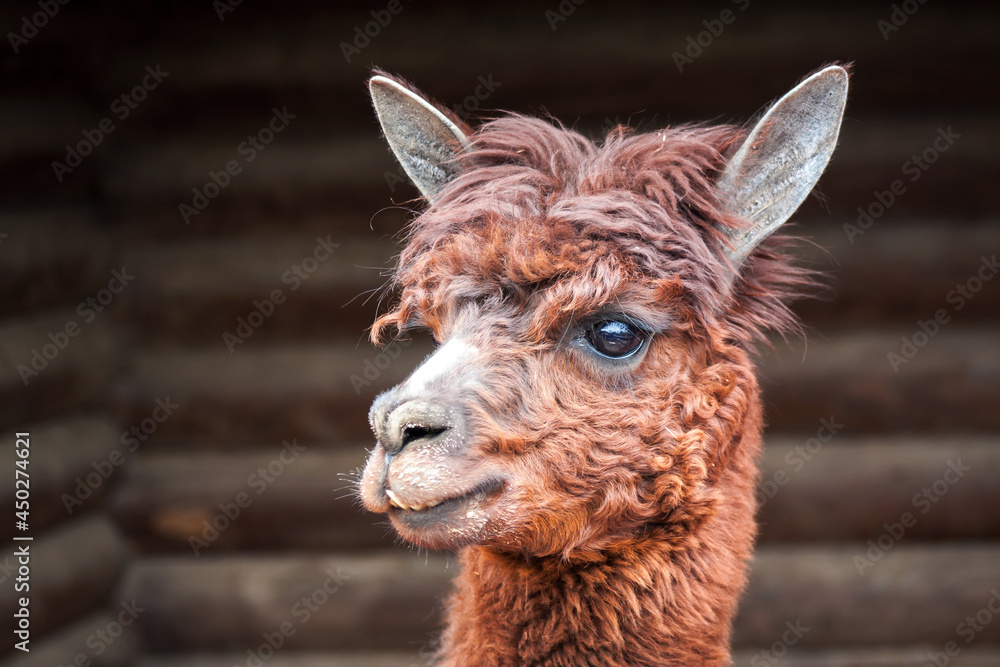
column 399, row 425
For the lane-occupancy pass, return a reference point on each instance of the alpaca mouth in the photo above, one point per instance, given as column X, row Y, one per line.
column 440, row 510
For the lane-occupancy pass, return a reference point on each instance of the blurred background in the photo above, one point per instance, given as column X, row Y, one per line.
column 197, row 211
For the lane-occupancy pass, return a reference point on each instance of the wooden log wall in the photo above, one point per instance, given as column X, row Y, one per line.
column 60, row 343
column 882, row 540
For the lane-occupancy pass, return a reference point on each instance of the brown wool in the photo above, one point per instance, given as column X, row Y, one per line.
column 621, row 525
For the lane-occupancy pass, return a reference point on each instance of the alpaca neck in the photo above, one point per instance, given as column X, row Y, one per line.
column 642, row 602
column 665, row 597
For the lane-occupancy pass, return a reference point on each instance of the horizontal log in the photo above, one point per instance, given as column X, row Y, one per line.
column 298, row 659
column 73, row 569
column 896, row 271
column 320, row 393
column 200, row 503
column 73, row 371
column 262, row 396
column 910, row 596
column 848, row 489
column 198, row 292
column 294, row 164
column 50, row 256
column 852, row 489
column 46, row 125
column 317, row 603
column 917, row 656
column 846, row 657
column 295, row 179
column 97, row 638
column 63, row 453
column 294, row 55
column 948, row 384
column 290, row 62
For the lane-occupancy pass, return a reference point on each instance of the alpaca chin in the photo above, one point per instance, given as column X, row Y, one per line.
column 453, row 523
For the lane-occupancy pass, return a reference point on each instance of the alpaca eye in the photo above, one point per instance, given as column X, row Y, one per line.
column 614, row 338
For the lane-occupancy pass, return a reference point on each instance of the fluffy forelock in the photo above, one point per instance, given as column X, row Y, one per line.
column 646, row 203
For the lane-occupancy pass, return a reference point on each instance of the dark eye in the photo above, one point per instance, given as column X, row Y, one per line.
column 614, row 338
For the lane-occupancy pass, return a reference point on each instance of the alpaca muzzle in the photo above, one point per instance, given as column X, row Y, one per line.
column 438, row 491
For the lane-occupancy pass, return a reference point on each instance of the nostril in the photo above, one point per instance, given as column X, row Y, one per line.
column 414, row 432
column 412, row 421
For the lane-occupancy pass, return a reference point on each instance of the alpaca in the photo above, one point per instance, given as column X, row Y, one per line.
column 586, row 433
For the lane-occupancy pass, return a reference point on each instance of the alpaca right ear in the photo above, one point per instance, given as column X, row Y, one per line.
column 782, row 158
column 424, row 140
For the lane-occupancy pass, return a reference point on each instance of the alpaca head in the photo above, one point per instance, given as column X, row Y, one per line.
column 593, row 306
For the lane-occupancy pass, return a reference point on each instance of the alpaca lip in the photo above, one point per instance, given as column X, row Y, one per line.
column 399, row 504
column 443, row 506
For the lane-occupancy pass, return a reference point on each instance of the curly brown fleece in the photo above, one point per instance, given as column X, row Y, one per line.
column 626, row 542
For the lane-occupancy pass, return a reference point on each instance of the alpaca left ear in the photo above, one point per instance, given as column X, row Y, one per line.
column 424, row 140
column 782, row 158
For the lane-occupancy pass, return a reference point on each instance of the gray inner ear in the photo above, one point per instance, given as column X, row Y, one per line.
column 782, row 158
column 424, row 141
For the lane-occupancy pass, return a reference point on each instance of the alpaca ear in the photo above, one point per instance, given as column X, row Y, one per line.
column 782, row 158
column 423, row 139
